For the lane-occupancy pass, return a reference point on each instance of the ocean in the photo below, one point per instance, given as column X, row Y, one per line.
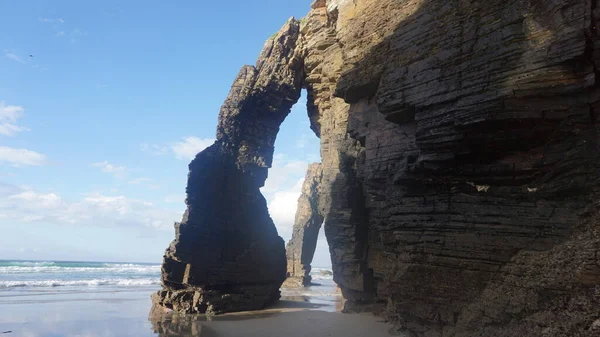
column 32, row 274
column 89, row 276
column 68, row 298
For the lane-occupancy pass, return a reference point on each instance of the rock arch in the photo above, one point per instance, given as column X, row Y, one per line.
column 227, row 255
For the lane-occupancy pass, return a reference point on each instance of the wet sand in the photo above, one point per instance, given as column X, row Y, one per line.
column 304, row 323
column 126, row 312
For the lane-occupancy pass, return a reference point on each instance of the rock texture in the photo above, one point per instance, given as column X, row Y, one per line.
column 460, row 167
column 301, row 248
column 459, row 143
column 227, row 255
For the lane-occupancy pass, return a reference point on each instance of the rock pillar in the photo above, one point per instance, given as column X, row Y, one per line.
column 301, row 248
column 227, row 255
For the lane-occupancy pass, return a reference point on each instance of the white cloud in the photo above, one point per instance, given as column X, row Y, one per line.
column 116, row 170
column 50, row 20
column 8, row 129
column 282, row 208
column 14, row 57
column 190, row 146
column 75, row 35
column 9, row 114
column 157, row 150
column 284, row 173
column 173, row 198
column 139, row 181
column 186, row 149
column 94, row 209
column 282, row 190
column 302, row 141
column 145, row 182
column 21, row 157
column 44, row 200
column 60, row 33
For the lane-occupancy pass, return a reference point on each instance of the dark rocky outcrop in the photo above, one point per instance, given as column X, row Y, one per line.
column 301, row 248
column 460, row 164
column 227, row 255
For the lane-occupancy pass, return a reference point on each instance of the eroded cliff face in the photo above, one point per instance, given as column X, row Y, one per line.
column 460, row 156
column 460, row 168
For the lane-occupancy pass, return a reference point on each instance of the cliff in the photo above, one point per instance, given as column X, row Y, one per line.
column 460, row 160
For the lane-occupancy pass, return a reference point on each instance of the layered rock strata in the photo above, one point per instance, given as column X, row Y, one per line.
column 460, row 167
column 459, row 143
column 300, row 250
column 227, row 255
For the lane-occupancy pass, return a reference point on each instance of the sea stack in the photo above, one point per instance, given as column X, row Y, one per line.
column 301, row 248
column 227, row 255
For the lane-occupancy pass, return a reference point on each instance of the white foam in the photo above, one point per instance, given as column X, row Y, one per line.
column 112, row 269
column 321, row 274
column 89, row 283
column 309, row 293
column 31, row 263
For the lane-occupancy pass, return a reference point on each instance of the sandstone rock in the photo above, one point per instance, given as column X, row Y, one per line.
column 301, row 248
column 227, row 255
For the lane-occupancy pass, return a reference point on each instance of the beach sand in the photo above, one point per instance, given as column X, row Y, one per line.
column 289, row 318
column 289, row 322
column 123, row 312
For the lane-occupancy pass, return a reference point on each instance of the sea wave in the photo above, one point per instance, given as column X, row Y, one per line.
column 321, row 274
column 311, row 294
column 80, row 283
column 30, row 267
column 71, row 264
column 133, row 269
column 26, row 263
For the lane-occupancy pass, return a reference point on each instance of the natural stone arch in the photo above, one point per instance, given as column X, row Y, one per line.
column 227, row 255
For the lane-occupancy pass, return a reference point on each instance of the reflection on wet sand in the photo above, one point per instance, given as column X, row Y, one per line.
column 295, row 315
column 289, row 318
column 166, row 323
column 175, row 325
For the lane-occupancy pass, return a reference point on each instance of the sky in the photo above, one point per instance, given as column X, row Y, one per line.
column 102, row 106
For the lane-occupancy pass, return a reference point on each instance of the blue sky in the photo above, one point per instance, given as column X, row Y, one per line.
column 98, row 126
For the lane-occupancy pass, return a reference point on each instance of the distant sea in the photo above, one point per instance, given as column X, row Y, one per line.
column 16, row 274
column 34, row 274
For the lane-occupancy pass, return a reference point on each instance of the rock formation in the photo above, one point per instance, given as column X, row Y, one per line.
column 227, row 255
column 459, row 144
column 460, row 165
column 301, row 248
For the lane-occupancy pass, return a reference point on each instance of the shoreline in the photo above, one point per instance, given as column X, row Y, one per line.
column 108, row 311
